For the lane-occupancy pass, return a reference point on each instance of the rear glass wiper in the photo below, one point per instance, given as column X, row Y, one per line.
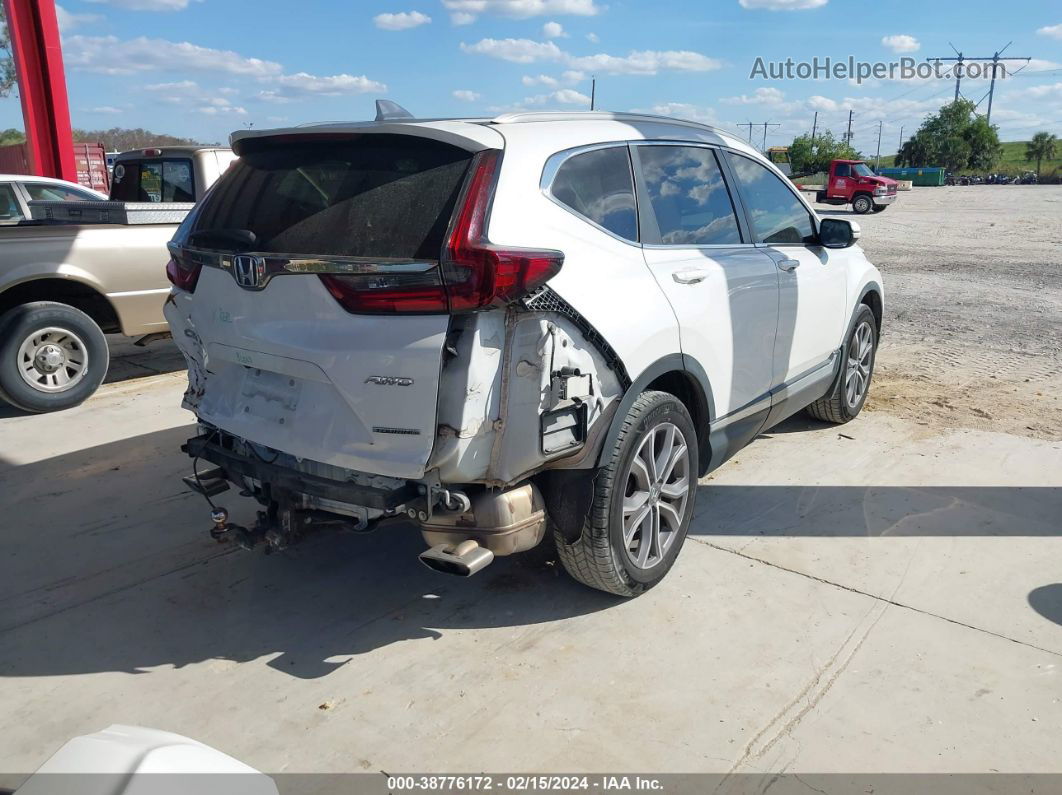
column 242, row 237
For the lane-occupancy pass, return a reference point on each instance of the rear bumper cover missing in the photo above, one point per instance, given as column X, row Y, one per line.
column 237, row 466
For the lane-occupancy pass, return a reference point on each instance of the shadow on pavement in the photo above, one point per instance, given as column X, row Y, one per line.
column 1047, row 601
column 109, row 566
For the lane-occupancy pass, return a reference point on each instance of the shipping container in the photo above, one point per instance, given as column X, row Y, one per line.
column 90, row 160
column 921, row 177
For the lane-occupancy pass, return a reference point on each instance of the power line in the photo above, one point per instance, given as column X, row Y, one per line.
column 995, row 59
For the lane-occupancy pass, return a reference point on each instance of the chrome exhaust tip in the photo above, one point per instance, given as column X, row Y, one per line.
column 461, row 560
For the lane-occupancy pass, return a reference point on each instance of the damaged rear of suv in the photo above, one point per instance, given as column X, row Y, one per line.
column 460, row 323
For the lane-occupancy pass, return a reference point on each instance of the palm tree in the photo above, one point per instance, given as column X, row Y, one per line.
column 1040, row 148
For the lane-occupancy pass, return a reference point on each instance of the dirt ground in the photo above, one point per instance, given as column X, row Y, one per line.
column 973, row 321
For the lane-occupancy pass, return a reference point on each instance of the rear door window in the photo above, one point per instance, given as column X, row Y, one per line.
column 598, row 185
column 690, row 201
column 363, row 196
column 169, row 180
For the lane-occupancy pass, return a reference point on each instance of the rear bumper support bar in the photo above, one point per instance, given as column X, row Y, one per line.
column 278, row 477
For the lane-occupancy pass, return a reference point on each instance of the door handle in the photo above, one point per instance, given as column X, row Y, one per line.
column 789, row 265
column 691, row 276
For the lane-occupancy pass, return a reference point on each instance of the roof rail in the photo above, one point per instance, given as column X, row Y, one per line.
column 521, row 117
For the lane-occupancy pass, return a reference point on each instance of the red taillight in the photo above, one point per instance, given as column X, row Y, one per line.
column 473, row 274
column 478, row 274
column 182, row 275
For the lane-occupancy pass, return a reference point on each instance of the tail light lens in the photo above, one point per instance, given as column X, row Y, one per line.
column 183, row 275
column 473, row 274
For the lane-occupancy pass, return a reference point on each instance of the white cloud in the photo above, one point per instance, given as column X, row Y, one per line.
column 565, row 96
column 403, row 20
column 782, row 5
column 762, row 96
column 68, row 20
column 301, row 84
column 593, row 38
column 643, row 62
column 824, row 104
column 147, row 5
column 1049, row 91
column 465, row 95
column 901, row 42
column 179, row 87
column 539, row 80
column 105, row 109
column 463, row 12
column 682, row 110
column 515, row 50
column 573, row 76
column 113, row 56
column 1053, row 31
column 554, row 30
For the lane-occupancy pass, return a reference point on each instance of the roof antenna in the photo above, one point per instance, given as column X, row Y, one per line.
column 387, row 110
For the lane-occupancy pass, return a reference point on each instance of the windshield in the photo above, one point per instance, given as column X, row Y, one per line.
column 862, row 170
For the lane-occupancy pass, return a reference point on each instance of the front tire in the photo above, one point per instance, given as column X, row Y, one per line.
column 862, row 204
column 850, row 391
column 643, row 501
column 52, row 356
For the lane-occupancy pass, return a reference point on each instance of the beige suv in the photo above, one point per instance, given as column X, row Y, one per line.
column 64, row 284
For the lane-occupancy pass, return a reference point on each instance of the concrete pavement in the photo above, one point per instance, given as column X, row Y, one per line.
column 881, row 597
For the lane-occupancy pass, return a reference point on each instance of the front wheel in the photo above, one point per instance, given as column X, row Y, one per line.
column 52, row 356
column 850, row 391
column 643, row 501
column 861, row 205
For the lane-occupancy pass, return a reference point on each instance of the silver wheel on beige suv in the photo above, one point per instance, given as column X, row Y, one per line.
column 643, row 501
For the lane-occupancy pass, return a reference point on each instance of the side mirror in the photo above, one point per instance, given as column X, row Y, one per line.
column 838, row 232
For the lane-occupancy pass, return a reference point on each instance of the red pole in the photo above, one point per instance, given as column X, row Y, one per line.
column 38, row 55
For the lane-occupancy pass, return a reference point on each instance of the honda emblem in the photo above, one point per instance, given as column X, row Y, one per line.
column 249, row 271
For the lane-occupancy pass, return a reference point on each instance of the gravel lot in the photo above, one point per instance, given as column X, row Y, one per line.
column 973, row 327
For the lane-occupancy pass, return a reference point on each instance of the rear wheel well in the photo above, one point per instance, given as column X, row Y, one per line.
column 64, row 291
column 685, row 387
column 873, row 299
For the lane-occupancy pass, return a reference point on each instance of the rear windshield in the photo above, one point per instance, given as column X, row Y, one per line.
column 168, row 180
column 364, row 196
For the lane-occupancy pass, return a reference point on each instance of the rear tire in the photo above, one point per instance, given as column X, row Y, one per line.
column 849, row 393
column 52, row 356
column 862, row 204
column 643, row 501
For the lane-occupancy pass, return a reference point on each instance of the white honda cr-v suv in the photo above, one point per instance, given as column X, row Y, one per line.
column 499, row 328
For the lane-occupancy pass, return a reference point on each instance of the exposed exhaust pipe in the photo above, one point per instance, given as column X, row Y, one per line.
column 463, row 559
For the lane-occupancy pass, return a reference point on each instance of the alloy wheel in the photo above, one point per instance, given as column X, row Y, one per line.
column 655, row 496
column 860, row 360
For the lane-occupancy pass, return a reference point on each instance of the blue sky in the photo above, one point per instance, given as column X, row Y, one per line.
column 202, row 68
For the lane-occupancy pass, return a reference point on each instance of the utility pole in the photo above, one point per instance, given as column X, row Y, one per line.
column 765, row 126
column 900, row 145
column 996, row 58
column 749, row 125
column 814, row 126
column 877, row 157
column 848, row 135
column 593, row 90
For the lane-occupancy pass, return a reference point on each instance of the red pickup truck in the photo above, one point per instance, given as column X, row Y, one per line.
column 853, row 182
